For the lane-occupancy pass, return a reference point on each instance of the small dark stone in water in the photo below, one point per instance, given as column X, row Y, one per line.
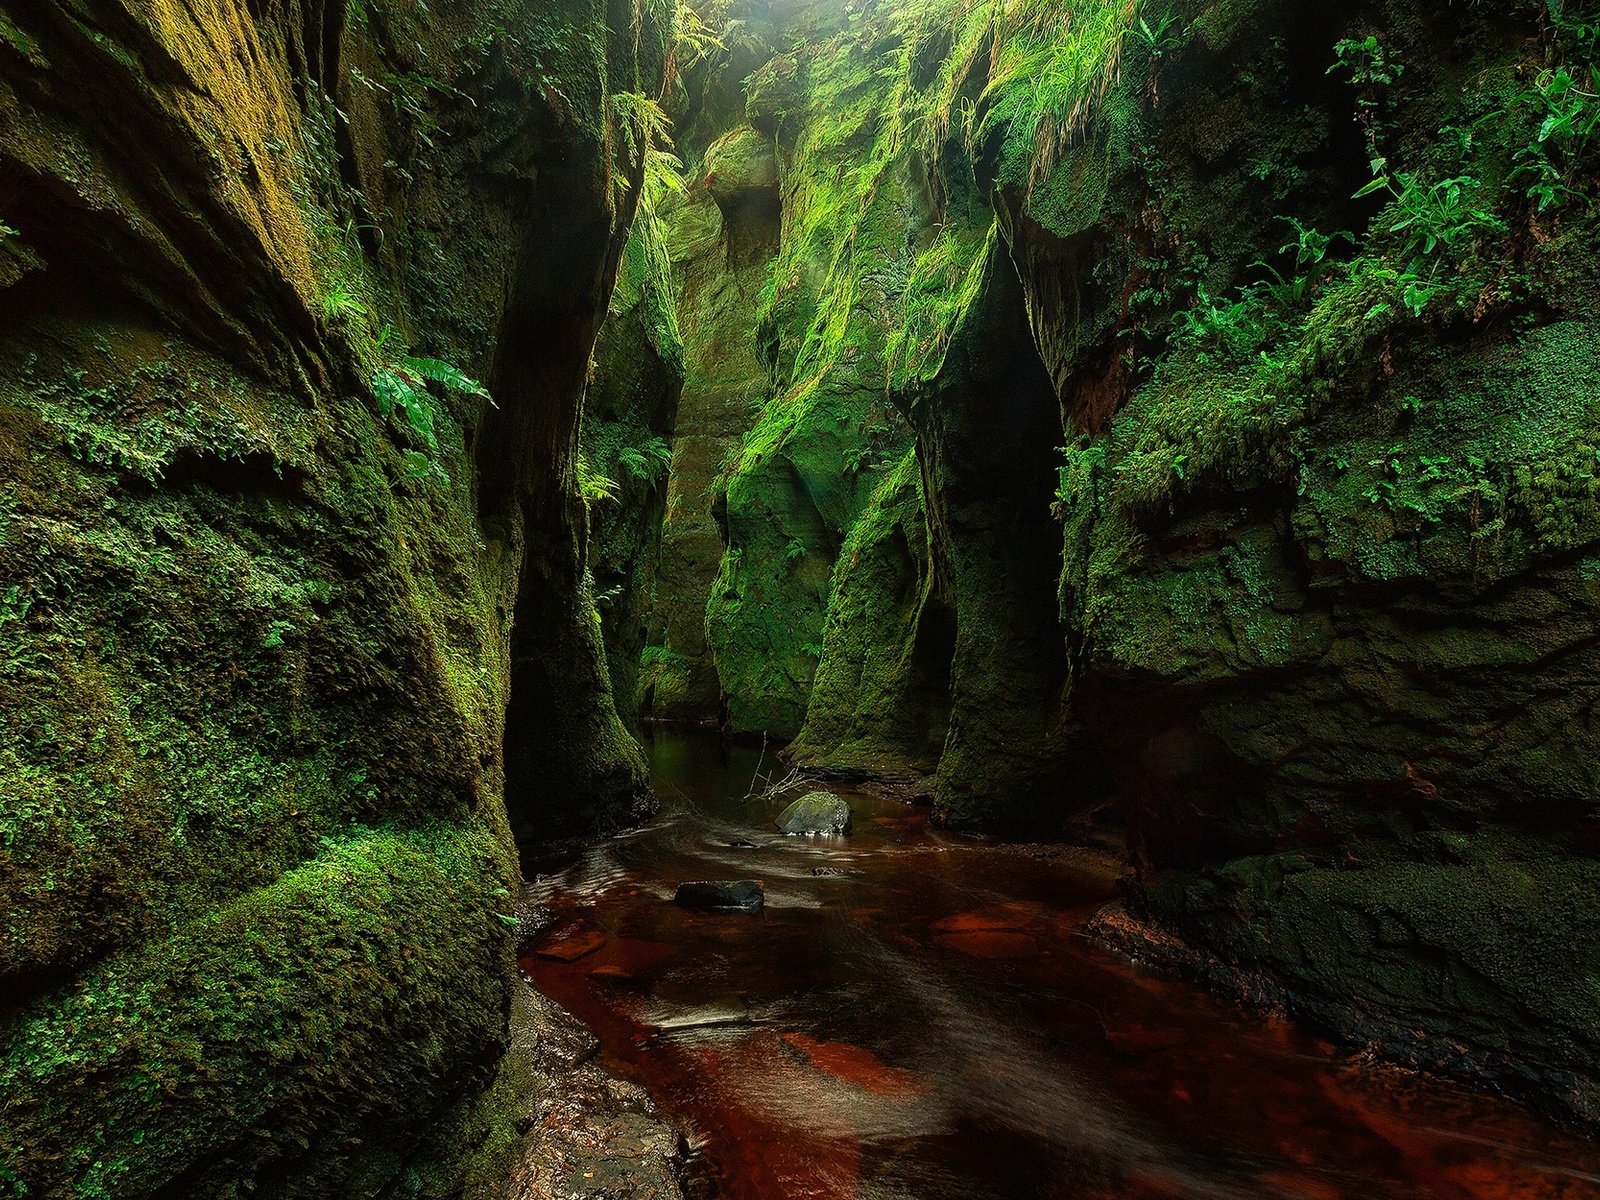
column 816, row 812
column 745, row 895
column 741, row 844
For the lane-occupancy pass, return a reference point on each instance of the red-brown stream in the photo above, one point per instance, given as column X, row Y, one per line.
column 931, row 1024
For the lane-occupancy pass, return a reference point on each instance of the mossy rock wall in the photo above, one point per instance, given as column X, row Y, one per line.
column 255, row 638
column 983, row 426
column 1325, row 583
column 629, row 412
column 721, row 252
column 1311, row 609
column 879, row 705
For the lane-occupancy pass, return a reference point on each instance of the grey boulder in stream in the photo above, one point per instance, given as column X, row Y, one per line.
column 816, row 812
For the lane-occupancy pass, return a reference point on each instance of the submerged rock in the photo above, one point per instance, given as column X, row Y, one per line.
column 816, row 812
column 572, row 945
column 746, row 895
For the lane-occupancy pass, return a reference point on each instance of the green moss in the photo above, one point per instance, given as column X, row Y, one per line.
column 266, row 1009
column 877, row 703
column 253, row 672
column 1463, row 944
column 630, row 405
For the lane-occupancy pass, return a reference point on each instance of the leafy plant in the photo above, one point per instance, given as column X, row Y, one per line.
column 1156, row 39
column 1366, row 62
column 692, row 39
column 1440, row 215
column 1441, row 223
column 1078, row 477
column 1570, row 115
column 646, row 160
column 648, row 163
column 6, row 231
column 1310, row 249
column 1235, row 329
column 649, row 462
column 795, row 549
column 342, row 302
column 595, row 487
column 401, row 388
column 1371, row 70
column 1226, row 329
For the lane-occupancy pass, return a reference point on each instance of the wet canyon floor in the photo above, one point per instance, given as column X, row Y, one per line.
column 918, row 1015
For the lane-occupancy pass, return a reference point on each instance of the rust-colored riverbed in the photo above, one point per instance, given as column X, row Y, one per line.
column 931, row 1025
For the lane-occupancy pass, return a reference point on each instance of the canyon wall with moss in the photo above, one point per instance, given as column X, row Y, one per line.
column 273, row 566
column 1182, row 417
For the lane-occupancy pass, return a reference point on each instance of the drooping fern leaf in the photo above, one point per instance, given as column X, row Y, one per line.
column 400, row 387
column 436, row 370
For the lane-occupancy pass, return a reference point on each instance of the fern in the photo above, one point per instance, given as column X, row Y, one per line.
column 342, row 302
column 692, row 39
column 436, row 370
column 595, row 487
column 400, row 387
column 647, row 158
column 647, row 133
column 402, row 394
column 649, row 462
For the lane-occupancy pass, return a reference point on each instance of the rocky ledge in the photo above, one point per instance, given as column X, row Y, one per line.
column 1563, row 1096
column 588, row 1134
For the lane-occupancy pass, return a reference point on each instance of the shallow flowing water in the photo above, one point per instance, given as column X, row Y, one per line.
column 931, row 1024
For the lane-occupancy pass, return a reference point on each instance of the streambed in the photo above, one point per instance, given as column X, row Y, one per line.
column 918, row 1014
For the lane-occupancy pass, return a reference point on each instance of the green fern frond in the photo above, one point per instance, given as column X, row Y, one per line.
column 595, row 487
column 436, row 370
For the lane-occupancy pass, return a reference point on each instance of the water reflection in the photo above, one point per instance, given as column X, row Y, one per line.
column 915, row 1014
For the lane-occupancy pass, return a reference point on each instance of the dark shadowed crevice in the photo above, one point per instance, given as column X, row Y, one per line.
column 572, row 770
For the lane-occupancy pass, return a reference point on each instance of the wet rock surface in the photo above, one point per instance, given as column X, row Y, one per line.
column 745, row 895
column 572, row 944
column 816, row 813
column 590, row 1136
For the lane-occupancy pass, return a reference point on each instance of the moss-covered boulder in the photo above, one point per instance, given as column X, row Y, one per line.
column 816, row 813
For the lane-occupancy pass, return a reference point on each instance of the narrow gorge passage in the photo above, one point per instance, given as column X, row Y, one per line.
column 1161, row 438
column 918, row 1014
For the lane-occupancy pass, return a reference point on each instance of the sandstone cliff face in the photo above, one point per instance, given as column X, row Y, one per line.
column 265, row 591
column 1246, row 511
